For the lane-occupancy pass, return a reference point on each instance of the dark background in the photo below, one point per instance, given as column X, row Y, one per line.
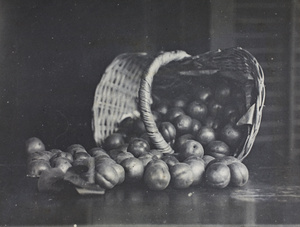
column 53, row 54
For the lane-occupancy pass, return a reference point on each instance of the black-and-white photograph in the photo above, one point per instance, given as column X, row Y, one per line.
column 149, row 113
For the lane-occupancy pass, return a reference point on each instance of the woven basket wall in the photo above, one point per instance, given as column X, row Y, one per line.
column 126, row 87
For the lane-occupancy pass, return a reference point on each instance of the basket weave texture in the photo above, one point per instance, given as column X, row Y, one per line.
column 125, row 89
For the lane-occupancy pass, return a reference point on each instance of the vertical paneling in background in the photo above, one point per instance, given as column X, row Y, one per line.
column 295, row 81
column 222, row 19
column 261, row 27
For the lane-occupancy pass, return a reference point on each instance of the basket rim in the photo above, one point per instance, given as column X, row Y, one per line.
column 153, row 63
column 167, row 57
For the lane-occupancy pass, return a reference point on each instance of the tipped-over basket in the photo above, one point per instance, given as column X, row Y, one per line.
column 125, row 89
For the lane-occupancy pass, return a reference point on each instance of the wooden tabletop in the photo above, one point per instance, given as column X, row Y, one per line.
column 272, row 196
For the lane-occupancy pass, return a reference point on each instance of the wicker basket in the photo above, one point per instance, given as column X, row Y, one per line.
column 126, row 88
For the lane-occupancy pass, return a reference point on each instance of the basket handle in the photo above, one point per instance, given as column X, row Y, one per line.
column 145, row 97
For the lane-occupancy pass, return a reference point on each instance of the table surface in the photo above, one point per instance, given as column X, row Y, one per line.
column 272, row 196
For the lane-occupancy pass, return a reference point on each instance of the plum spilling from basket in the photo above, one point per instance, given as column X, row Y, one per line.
column 198, row 122
column 207, row 113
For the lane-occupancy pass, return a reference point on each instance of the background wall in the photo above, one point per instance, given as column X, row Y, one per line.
column 270, row 31
column 54, row 52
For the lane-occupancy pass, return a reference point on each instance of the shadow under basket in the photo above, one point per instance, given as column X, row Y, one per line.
column 127, row 87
